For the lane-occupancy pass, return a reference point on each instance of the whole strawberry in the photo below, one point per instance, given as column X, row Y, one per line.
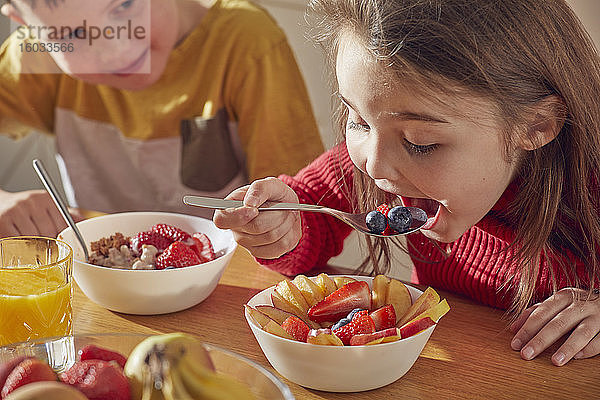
column 177, row 255
column 93, row 352
column 172, row 233
column 27, row 371
column 150, row 238
column 98, row 380
column 361, row 323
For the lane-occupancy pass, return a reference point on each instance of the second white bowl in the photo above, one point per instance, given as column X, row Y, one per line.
column 148, row 292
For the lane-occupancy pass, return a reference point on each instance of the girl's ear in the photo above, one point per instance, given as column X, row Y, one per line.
column 8, row 10
column 549, row 118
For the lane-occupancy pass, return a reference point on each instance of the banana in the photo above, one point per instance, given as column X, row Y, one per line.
column 176, row 366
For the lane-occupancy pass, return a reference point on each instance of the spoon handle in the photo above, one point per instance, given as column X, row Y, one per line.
column 220, row 204
column 60, row 204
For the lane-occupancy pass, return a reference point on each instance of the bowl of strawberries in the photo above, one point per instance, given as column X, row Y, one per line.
column 149, row 263
column 127, row 366
column 343, row 333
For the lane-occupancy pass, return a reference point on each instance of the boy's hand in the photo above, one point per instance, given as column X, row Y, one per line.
column 30, row 212
column 268, row 234
column 544, row 323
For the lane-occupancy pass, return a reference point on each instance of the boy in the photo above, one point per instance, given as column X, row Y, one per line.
column 194, row 97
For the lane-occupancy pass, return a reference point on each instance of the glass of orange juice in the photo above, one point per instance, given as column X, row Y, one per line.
column 35, row 288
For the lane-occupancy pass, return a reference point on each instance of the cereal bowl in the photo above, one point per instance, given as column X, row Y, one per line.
column 148, row 292
column 61, row 353
column 338, row 368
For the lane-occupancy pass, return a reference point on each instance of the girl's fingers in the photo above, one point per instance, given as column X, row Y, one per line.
column 558, row 326
column 234, row 218
column 267, row 234
column 538, row 318
column 518, row 323
column 269, row 189
column 590, row 350
column 580, row 339
column 287, row 243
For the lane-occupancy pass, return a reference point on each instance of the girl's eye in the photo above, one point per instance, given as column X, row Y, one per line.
column 357, row 126
column 419, row 150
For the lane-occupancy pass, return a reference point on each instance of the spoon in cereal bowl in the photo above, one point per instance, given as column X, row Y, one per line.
column 60, row 204
column 405, row 219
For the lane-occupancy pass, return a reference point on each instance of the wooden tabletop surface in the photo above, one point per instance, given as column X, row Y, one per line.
column 467, row 357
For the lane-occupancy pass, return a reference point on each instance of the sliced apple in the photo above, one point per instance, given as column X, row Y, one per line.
column 281, row 303
column 436, row 312
column 368, row 338
column 257, row 316
column 379, row 291
column 399, row 297
column 292, row 294
column 416, row 326
column 311, row 291
column 427, row 299
column 279, row 315
column 325, row 339
column 276, row 329
column 342, row 280
column 326, row 284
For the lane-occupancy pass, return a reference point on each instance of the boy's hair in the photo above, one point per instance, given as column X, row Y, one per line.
column 513, row 53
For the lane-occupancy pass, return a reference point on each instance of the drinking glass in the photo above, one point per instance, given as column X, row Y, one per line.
column 35, row 288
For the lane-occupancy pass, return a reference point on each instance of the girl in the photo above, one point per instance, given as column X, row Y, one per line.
column 483, row 113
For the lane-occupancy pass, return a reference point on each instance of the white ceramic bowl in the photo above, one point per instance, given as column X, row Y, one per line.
column 338, row 368
column 148, row 292
column 61, row 353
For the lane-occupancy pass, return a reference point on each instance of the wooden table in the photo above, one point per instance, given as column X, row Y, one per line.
column 467, row 357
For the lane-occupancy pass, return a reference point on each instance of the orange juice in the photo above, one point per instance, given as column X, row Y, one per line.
column 35, row 289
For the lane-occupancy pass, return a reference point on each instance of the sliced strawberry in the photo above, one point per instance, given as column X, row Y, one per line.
column 27, row 371
column 296, row 328
column 98, row 380
column 177, row 255
column 93, row 352
column 384, row 209
column 171, row 232
column 150, row 238
column 203, row 247
column 339, row 303
column 7, row 367
column 384, row 317
column 361, row 323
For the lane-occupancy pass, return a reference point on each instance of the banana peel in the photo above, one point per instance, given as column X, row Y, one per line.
column 176, row 366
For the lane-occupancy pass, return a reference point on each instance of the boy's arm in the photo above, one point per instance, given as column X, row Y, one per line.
column 326, row 181
column 276, row 125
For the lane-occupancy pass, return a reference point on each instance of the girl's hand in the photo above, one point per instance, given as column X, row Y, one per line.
column 265, row 234
column 544, row 323
column 30, row 212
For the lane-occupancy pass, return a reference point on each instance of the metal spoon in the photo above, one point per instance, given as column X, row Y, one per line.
column 60, row 204
column 357, row 221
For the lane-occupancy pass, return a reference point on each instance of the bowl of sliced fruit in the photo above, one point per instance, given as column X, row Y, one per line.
column 343, row 333
column 123, row 366
column 149, row 262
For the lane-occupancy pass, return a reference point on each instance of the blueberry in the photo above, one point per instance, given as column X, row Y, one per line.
column 353, row 312
column 400, row 219
column 340, row 323
column 376, row 221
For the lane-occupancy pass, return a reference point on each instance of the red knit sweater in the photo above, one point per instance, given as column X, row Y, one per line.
column 476, row 265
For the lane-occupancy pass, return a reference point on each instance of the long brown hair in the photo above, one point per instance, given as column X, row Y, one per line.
column 514, row 53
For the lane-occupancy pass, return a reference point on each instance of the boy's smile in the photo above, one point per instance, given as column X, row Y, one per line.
column 443, row 153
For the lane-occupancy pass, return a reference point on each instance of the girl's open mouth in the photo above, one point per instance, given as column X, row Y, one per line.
column 430, row 206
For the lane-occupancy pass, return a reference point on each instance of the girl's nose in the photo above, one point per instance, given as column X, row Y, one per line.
column 382, row 158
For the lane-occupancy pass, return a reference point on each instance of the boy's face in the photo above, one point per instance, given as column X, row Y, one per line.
column 125, row 43
column 448, row 160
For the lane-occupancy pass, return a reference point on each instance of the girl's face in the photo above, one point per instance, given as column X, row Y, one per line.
column 447, row 157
